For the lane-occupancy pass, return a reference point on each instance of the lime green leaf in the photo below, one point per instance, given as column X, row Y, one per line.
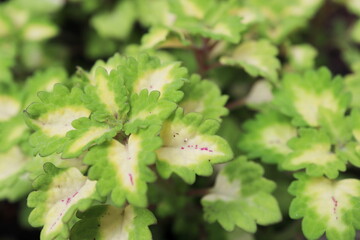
column 277, row 19
column 5, row 25
column 12, row 132
column 327, row 206
column 108, row 97
column 259, row 95
column 148, row 73
column 52, row 117
column 303, row 96
column 354, row 148
column 13, row 181
column 267, row 136
column 43, row 81
column 191, row 8
column 352, row 85
column 190, row 146
column 352, row 5
column 87, row 133
column 337, row 126
column 116, row 24
column 156, row 36
column 108, row 222
column 40, row 6
column 258, row 58
column 10, row 107
column 39, row 30
column 302, row 57
column 61, row 192
column 227, row 28
column 122, row 168
column 312, row 150
column 241, row 197
column 147, row 109
column 204, row 97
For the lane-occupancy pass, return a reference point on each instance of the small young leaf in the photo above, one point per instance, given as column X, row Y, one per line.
column 147, row 109
column 107, row 97
column 204, row 97
column 147, row 72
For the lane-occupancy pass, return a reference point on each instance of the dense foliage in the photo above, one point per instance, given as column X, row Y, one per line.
column 206, row 119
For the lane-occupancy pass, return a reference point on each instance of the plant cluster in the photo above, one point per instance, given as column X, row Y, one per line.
column 194, row 126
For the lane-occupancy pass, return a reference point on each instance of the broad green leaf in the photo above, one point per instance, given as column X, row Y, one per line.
column 121, row 168
column 330, row 206
column 39, row 6
column 146, row 110
column 163, row 16
column 156, row 36
column 108, row 97
column 267, row 136
column 13, row 179
column 277, row 19
column 52, row 118
column 241, row 197
column 190, row 146
column 204, row 97
column 191, row 8
column 105, row 222
column 86, row 134
column 147, row 72
column 258, row 58
column 303, row 96
column 227, row 28
column 312, row 151
column 116, row 24
column 60, row 193
column 209, row 19
column 259, row 95
column 38, row 30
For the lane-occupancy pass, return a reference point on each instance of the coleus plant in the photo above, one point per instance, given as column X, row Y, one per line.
column 123, row 119
column 108, row 152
